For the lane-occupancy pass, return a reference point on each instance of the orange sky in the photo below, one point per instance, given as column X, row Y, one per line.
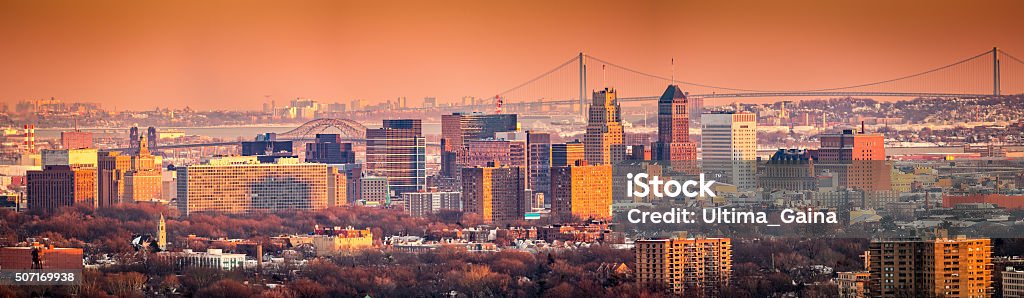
column 230, row 54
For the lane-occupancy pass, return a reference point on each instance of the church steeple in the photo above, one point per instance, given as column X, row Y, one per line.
column 161, row 238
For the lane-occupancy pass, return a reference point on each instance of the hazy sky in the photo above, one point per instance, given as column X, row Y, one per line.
column 231, row 54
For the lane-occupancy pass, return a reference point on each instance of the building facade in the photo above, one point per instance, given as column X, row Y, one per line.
column 397, row 151
column 75, row 158
column 703, row 265
column 329, row 149
column 729, row 146
column 458, row 128
column 212, row 258
column 244, row 185
column 567, row 154
column 858, row 157
column 673, row 142
column 374, row 191
column 1013, row 283
column 112, row 168
column 538, row 148
column 852, row 284
column 788, row 169
column 75, row 139
column 602, row 141
column 430, row 202
column 60, row 186
column 582, row 191
column 38, row 256
column 939, row 267
column 480, row 152
column 496, row 193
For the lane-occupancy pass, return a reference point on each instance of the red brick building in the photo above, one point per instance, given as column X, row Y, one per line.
column 40, row 256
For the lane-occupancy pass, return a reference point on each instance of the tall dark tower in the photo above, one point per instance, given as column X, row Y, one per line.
column 152, row 136
column 133, row 139
column 673, row 142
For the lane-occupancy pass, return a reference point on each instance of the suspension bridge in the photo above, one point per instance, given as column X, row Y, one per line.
column 990, row 73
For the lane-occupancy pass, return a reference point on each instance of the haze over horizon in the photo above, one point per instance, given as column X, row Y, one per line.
column 231, row 55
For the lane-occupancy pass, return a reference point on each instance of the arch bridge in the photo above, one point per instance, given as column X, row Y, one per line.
column 350, row 129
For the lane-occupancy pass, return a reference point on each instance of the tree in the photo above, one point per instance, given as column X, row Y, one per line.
column 127, row 284
column 226, row 288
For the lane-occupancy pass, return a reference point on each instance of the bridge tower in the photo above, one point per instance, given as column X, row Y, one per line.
column 583, row 86
column 995, row 71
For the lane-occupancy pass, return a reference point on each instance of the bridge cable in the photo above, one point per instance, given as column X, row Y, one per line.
column 810, row 90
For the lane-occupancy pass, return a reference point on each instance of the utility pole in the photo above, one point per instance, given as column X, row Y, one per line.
column 583, row 86
column 995, row 71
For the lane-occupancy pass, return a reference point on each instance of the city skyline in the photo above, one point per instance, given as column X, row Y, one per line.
column 232, row 56
column 654, row 149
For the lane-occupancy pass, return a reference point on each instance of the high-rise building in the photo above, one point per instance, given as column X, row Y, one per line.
column 135, row 178
column 329, row 149
column 458, row 128
column 729, row 146
column 702, row 265
column 242, row 184
column 939, row 267
column 144, row 185
column 59, row 186
column 75, row 139
column 353, row 185
column 397, row 151
column 538, row 148
column 337, row 186
column 430, row 202
column 602, row 141
column 143, row 181
column 674, row 127
column 567, row 154
column 110, row 175
column 496, row 193
column 581, row 191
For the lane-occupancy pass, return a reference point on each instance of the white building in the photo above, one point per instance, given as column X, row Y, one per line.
column 211, row 258
column 426, row 203
column 729, row 146
column 1013, row 283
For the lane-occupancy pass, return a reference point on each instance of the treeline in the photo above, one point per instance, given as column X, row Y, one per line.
column 109, row 230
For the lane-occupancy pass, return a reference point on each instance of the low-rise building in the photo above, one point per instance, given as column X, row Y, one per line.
column 39, row 256
column 211, row 258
